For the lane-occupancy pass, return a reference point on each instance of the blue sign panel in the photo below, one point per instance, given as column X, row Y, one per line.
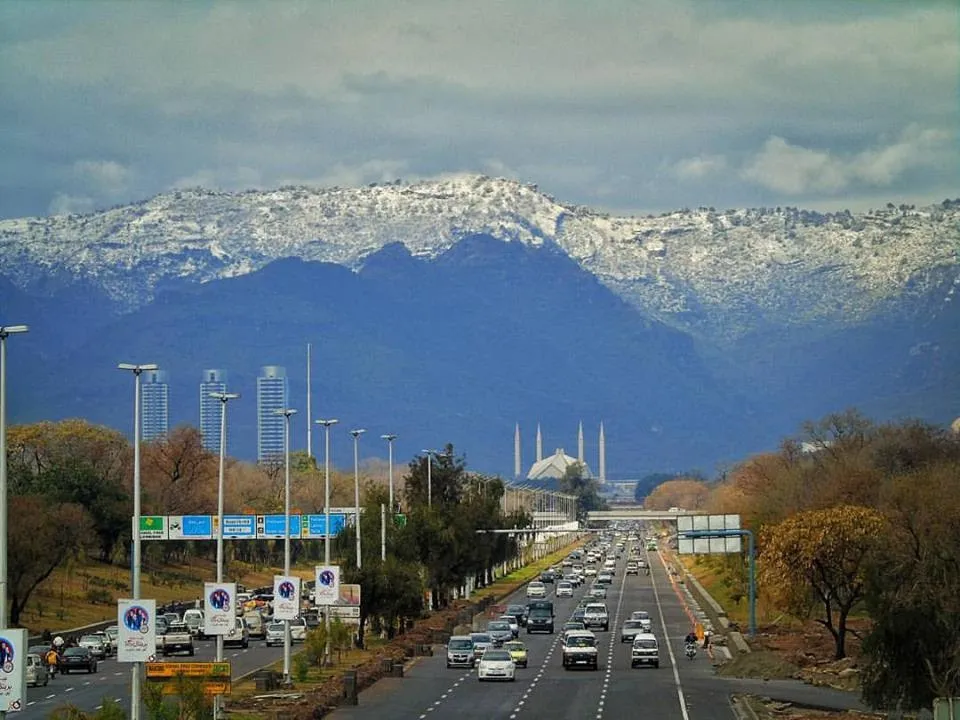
column 240, row 527
column 190, row 527
column 316, row 525
column 274, row 526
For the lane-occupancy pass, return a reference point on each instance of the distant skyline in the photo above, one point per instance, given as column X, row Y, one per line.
column 630, row 105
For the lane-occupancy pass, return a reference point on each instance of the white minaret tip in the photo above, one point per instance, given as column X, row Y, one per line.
column 539, row 444
column 603, row 455
column 516, row 452
column 580, row 456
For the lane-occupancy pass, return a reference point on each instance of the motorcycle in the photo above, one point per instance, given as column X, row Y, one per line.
column 691, row 650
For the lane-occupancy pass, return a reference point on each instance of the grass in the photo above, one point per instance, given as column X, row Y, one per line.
column 83, row 593
column 715, row 581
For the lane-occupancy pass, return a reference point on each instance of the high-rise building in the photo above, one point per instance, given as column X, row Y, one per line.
column 154, row 405
column 214, row 381
column 271, row 396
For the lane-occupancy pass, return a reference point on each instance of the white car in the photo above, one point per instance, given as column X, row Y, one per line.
column 536, row 589
column 643, row 616
column 590, row 571
column 514, row 625
column 564, row 589
column 496, row 664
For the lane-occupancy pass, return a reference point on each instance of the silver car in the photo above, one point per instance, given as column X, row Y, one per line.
column 499, row 631
column 632, row 628
column 275, row 634
column 95, row 644
column 481, row 643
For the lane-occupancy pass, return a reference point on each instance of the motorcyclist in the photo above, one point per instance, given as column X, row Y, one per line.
column 690, row 639
column 52, row 659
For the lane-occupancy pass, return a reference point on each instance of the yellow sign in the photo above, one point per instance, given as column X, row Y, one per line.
column 210, row 687
column 170, row 670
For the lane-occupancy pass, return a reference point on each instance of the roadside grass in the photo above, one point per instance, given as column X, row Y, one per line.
column 83, row 593
column 716, row 582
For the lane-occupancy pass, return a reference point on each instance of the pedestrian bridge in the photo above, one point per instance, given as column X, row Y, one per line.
column 636, row 512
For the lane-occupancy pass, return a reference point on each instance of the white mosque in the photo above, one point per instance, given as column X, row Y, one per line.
column 554, row 466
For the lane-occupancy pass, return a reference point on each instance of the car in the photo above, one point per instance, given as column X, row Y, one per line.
column 481, row 643
column 37, row 672
column 564, row 589
column 460, row 652
column 632, row 567
column 193, row 618
column 276, row 631
column 536, row 589
column 605, row 578
column 171, row 617
column 548, row 576
column 644, row 617
column 598, row 591
column 499, row 631
column 113, row 635
column 596, row 615
column 569, row 627
column 512, row 621
column 645, row 651
column 77, row 658
column 632, row 628
column 573, row 579
column 578, row 613
column 256, row 625
column 541, row 617
column 580, row 648
column 95, row 644
column 519, row 612
column 651, row 547
column 177, row 639
column 160, row 626
column 518, row 652
column 496, row 664
column 238, row 635
column 590, row 571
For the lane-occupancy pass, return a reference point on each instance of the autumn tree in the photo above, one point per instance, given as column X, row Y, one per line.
column 179, row 474
column 818, row 559
column 41, row 535
column 682, row 493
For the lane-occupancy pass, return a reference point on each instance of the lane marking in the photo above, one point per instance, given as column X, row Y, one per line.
column 673, row 660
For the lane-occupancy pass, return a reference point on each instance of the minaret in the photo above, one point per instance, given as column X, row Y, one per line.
column 539, row 444
column 580, row 444
column 603, row 456
column 516, row 452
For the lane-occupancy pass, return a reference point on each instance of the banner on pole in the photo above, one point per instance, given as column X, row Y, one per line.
column 13, row 669
column 220, row 607
column 286, row 597
column 327, row 589
column 137, row 634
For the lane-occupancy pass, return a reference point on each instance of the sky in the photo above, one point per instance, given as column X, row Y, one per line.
column 624, row 105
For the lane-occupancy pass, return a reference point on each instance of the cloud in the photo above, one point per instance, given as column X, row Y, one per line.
column 63, row 204
column 105, row 177
column 699, row 167
column 794, row 170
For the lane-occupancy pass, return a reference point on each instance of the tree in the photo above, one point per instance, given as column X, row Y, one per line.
column 179, row 474
column 586, row 489
column 682, row 493
column 819, row 558
column 649, row 483
column 41, row 536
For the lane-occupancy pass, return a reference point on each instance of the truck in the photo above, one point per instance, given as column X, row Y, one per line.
column 177, row 639
column 596, row 615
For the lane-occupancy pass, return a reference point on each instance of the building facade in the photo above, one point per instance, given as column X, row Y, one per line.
column 154, row 405
column 272, row 392
column 211, row 409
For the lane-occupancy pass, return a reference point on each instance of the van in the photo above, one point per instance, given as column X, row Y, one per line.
column 193, row 619
column 256, row 627
column 460, row 652
column 645, row 650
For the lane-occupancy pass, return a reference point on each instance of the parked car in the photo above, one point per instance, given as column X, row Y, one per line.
column 77, row 658
column 37, row 673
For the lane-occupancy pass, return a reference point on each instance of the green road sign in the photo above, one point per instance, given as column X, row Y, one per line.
column 400, row 519
column 153, row 527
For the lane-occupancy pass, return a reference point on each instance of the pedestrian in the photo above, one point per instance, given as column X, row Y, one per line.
column 706, row 639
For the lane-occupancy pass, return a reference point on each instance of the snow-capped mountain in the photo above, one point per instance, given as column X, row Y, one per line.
column 716, row 274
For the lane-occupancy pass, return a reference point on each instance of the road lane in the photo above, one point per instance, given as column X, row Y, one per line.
column 112, row 679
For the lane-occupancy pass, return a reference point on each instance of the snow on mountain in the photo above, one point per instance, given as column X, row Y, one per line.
column 713, row 272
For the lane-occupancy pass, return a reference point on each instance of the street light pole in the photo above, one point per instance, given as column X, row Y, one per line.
column 356, row 488
column 286, row 412
column 5, row 331
column 390, row 439
column 224, row 398
column 326, row 510
column 137, row 370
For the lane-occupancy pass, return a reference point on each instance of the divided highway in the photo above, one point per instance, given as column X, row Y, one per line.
column 679, row 688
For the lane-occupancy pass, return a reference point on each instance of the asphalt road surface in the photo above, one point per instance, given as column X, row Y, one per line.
column 112, row 679
column 680, row 688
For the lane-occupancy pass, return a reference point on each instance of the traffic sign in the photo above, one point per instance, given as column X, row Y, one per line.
column 237, row 527
column 273, row 526
column 400, row 520
column 153, row 527
column 168, row 670
column 190, row 527
column 315, row 526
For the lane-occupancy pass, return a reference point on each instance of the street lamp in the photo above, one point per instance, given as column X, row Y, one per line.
column 224, row 398
column 390, row 439
column 356, row 488
column 137, row 370
column 286, row 412
column 326, row 510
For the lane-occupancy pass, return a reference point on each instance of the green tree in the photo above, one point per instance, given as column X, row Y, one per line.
column 586, row 490
column 818, row 558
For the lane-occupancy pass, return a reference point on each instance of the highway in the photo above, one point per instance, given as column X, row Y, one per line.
column 679, row 689
column 112, row 679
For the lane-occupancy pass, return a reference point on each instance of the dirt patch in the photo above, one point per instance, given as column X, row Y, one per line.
column 766, row 709
column 762, row 664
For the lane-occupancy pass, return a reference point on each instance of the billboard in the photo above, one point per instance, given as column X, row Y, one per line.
column 286, row 597
column 219, row 608
column 136, row 637
column 327, row 590
column 349, row 595
column 13, row 669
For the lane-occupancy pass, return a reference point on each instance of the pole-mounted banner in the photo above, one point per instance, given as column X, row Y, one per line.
column 327, row 588
column 286, row 597
column 13, row 669
column 219, row 612
column 136, row 634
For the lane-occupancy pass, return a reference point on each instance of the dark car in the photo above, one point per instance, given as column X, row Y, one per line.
column 77, row 658
column 578, row 614
column 548, row 576
column 519, row 612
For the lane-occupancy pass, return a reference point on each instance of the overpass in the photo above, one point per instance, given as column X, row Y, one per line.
column 636, row 512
